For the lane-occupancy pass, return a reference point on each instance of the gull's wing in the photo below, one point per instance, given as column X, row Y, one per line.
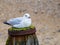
column 15, row 21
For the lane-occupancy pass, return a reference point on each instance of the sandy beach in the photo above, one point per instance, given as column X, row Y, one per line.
column 45, row 16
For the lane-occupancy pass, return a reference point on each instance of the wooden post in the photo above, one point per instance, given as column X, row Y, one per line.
column 27, row 37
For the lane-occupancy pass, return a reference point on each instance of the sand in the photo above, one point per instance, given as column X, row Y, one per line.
column 45, row 16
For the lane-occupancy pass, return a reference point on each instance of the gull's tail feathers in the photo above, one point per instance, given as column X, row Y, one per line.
column 6, row 23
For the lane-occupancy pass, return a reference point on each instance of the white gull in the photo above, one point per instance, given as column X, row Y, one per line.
column 20, row 22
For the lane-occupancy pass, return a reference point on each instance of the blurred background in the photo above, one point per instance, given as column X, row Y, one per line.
column 45, row 16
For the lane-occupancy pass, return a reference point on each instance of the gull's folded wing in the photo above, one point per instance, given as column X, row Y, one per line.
column 14, row 21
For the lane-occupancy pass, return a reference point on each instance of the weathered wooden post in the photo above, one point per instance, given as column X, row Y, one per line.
column 22, row 36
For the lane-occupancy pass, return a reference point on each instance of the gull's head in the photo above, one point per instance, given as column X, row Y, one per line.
column 26, row 15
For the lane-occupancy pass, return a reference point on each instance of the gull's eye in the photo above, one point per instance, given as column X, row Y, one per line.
column 25, row 15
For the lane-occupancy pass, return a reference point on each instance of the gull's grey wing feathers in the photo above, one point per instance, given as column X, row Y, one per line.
column 14, row 21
